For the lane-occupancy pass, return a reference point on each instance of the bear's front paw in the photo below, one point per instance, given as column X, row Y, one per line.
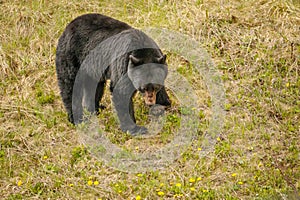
column 138, row 130
column 157, row 110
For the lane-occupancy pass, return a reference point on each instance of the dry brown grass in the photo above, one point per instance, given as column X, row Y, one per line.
column 256, row 46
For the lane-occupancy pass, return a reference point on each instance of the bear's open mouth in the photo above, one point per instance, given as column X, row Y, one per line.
column 150, row 98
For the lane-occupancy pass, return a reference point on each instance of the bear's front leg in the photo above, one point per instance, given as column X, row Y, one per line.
column 125, row 114
column 122, row 99
column 162, row 97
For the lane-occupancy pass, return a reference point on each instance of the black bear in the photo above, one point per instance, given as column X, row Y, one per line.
column 94, row 48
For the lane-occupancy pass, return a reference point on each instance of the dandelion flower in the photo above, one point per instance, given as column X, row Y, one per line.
column 96, row 182
column 233, row 175
column 240, row 183
column 192, row 180
column 19, row 183
column 45, row 157
column 71, row 184
column 178, row 184
column 90, row 182
column 160, row 193
column 199, row 179
column 139, row 175
column 199, row 149
column 138, row 197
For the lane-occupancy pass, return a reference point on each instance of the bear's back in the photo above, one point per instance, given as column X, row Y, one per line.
column 85, row 32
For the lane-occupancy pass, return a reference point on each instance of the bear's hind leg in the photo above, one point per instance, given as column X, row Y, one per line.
column 66, row 92
column 67, row 100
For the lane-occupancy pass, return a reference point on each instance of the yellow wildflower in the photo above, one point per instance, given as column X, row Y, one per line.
column 233, row 175
column 71, row 184
column 138, row 197
column 19, row 183
column 199, row 149
column 160, row 193
column 199, row 179
column 240, row 183
column 178, row 184
column 192, row 180
column 96, row 182
column 193, row 189
column 204, row 191
column 161, row 185
column 139, row 175
column 90, row 182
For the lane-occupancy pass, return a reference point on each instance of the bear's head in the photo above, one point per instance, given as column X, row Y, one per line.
column 147, row 72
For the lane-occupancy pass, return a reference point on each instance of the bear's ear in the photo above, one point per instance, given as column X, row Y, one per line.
column 135, row 60
column 162, row 59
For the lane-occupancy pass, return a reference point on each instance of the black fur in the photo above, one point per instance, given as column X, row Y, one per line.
column 78, row 40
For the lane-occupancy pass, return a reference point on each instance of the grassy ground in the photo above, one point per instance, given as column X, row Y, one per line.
column 255, row 45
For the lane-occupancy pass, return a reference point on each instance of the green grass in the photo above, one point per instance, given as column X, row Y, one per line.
column 255, row 46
